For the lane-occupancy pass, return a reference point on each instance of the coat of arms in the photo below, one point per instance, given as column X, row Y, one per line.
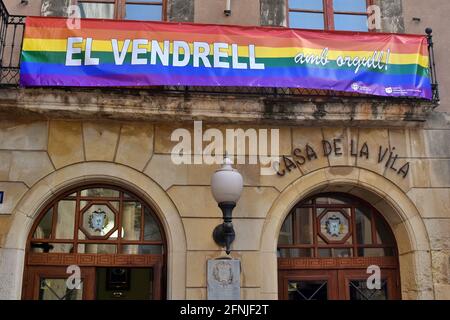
column 98, row 220
column 333, row 225
column 223, row 273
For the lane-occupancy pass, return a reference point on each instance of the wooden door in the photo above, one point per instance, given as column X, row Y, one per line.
column 346, row 284
column 49, row 283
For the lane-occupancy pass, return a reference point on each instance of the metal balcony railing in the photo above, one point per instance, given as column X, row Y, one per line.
column 11, row 37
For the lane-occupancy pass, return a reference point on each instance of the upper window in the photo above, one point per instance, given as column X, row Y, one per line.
column 335, row 226
column 149, row 10
column 346, row 15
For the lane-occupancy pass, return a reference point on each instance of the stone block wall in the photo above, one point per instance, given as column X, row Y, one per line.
column 35, row 154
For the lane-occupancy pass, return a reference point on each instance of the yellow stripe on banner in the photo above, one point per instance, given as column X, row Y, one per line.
column 60, row 45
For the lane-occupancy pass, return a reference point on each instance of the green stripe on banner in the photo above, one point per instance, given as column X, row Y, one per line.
column 108, row 58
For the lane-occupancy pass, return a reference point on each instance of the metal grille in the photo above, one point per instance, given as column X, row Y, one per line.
column 11, row 37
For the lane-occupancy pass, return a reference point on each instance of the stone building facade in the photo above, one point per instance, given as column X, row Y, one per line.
column 53, row 140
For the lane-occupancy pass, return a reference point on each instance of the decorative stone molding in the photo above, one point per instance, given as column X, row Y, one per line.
column 95, row 172
column 399, row 211
column 169, row 107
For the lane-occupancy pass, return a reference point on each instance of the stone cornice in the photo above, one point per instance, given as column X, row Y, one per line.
column 146, row 105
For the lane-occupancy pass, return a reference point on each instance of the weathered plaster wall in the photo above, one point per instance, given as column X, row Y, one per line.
column 180, row 10
column 57, row 8
column 33, row 8
column 391, row 15
column 273, row 13
column 242, row 12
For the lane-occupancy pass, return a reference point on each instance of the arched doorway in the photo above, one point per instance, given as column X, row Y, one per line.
column 325, row 246
column 109, row 233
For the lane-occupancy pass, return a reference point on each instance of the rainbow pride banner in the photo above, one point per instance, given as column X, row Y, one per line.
column 112, row 53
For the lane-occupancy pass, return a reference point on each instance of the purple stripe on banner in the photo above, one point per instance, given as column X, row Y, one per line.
column 234, row 81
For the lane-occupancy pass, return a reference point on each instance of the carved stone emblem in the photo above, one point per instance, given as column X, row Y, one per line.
column 223, row 273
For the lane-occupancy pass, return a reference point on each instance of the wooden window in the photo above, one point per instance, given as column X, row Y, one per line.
column 345, row 15
column 335, row 226
column 145, row 10
column 97, row 220
column 110, row 233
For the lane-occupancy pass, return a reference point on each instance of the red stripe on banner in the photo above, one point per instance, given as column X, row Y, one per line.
column 105, row 34
column 264, row 32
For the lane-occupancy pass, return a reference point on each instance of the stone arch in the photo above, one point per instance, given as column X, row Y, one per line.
column 399, row 211
column 68, row 177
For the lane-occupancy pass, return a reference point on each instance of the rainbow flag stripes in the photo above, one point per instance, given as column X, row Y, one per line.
column 111, row 53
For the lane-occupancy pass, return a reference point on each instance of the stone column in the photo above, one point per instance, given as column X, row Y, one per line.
column 11, row 270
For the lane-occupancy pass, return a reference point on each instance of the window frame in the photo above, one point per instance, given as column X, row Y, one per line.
column 119, row 6
column 328, row 14
column 75, row 240
column 354, row 246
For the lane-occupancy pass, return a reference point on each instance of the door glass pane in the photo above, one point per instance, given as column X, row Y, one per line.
column 324, row 253
column 342, row 252
column 97, row 248
column 308, row 290
column 304, row 216
column 306, row 20
column 286, row 236
column 306, row 4
column 363, row 226
column 335, row 199
column 142, row 249
column 83, row 204
column 56, row 289
column 52, row 247
column 44, row 229
column 359, row 291
column 335, row 252
column 151, row 227
column 375, row 252
column 65, row 220
column 294, row 253
column 384, row 236
column 143, row 12
column 100, row 192
column 350, row 5
column 96, row 10
column 124, row 283
column 349, row 22
column 131, row 220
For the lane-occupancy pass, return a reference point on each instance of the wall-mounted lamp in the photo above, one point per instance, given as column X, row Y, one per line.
column 227, row 10
column 416, row 19
column 226, row 187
